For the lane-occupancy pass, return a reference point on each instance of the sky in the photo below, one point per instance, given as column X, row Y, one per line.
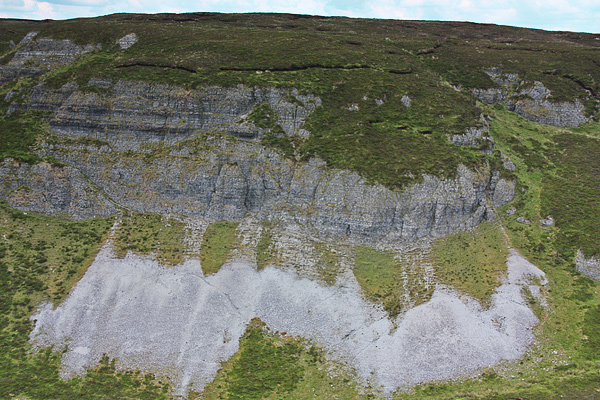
column 568, row 15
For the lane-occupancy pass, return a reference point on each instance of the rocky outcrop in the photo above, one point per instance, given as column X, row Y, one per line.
column 231, row 178
column 587, row 266
column 541, row 109
column 127, row 41
column 476, row 137
column 34, row 56
column 502, row 190
column 136, row 113
column 491, row 95
column 59, row 191
column 534, row 103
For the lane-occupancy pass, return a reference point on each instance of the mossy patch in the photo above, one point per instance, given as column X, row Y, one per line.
column 19, row 132
column 472, row 261
column 147, row 234
column 218, row 241
column 387, row 280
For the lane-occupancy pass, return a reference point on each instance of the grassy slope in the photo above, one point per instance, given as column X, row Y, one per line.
column 41, row 258
column 272, row 365
column 219, row 239
column 151, row 234
column 472, row 261
column 557, row 168
column 388, row 281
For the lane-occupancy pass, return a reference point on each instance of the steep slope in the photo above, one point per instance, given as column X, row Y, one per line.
column 340, row 149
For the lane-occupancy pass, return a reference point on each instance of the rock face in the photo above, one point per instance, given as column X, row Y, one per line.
column 533, row 103
column 476, row 137
column 34, row 56
column 243, row 177
column 136, row 113
column 587, row 266
column 158, row 148
column 51, row 190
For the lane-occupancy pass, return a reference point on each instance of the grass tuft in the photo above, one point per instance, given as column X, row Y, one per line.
column 219, row 239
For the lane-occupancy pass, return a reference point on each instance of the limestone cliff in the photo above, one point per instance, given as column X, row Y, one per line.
column 165, row 149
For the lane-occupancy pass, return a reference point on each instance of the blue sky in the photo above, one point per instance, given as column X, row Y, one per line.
column 571, row 15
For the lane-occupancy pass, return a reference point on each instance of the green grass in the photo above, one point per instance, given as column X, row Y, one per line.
column 218, row 241
column 41, row 258
column 388, row 281
column 572, row 196
column 273, row 365
column 328, row 266
column 472, row 261
column 18, row 135
column 155, row 234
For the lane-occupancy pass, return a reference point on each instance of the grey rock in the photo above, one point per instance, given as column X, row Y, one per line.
column 34, row 57
column 549, row 221
column 476, row 137
column 216, row 177
column 502, row 190
column 28, row 38
column 132, row 113
column 127, row 41
column 11, row 45
column 511, row 211
column 546, row 112
column 51, row 190
column 490, row 96
column 502, row 78
column 522, row 220
column 101, row 83
column 406, row 101
column 237, row 178
column 533, row 103
column 508, row 164
column 52, row 52
column 588, row 266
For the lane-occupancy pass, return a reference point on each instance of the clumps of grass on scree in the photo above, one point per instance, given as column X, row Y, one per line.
column 218, row 241
column 385, row 280
column 155, row 234
column 264, row 248
column 472, row 261
column 274, row 365
column 41, row 258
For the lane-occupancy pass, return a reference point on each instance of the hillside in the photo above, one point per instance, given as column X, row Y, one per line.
column 300, row 206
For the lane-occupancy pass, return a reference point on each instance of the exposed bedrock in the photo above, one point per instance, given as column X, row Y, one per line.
column 243, row 177
column 130, row 113
column 51, row 190
column 533, row 102
column 588, row 266
column 164, row 149
column 34, row 56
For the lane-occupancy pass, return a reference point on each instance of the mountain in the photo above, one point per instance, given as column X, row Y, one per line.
column 286, row 206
